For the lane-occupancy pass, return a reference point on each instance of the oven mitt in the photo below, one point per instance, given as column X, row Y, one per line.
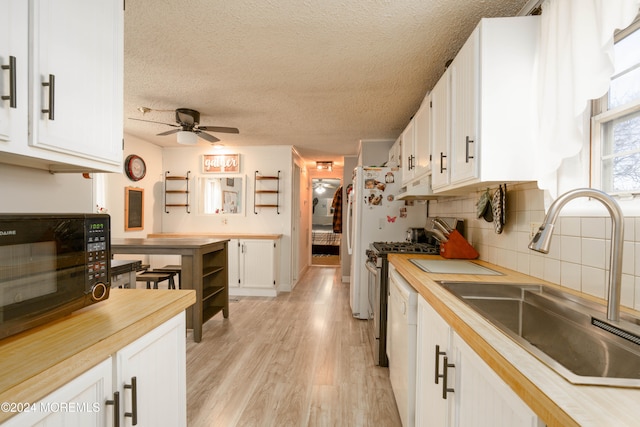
column 498, row 207
column 484, row 209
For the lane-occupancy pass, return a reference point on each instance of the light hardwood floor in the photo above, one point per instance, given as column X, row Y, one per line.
column 299, row 359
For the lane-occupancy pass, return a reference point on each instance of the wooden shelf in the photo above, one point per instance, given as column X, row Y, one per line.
column 267, row 192
column 207, row 271
column 172, row 193
column 208, row 293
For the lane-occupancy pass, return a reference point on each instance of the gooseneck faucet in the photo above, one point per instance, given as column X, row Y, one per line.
column 542, row 240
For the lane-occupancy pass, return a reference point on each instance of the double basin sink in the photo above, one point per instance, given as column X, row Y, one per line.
column 568, row 333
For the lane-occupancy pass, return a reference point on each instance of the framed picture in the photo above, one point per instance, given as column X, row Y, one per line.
column 133, row 209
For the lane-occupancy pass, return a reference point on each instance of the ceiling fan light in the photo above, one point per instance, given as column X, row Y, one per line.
column 187, row 138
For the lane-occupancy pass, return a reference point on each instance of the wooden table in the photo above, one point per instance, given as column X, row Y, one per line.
column 204, row 269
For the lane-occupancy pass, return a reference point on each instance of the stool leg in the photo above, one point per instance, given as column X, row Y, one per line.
column 172, row 283
column 148, row 285
column 155, row 284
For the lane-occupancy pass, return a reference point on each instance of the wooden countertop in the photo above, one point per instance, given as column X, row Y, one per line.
column 554, row 399
column 40, row 360
column 217, row 235
column 192, row 242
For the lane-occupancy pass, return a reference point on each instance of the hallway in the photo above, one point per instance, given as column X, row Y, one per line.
column 299, row 359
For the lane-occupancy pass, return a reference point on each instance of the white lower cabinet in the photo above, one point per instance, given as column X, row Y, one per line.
column 143, row 384
column 150, row 374
column 79, row 403
column 455, row 387
column 253, row 267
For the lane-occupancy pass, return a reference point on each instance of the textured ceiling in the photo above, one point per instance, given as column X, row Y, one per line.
column 318, row 75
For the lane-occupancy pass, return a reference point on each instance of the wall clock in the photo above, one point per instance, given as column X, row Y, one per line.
column 134, row 167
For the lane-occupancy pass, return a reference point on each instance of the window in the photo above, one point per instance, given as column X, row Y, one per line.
column 616, row 121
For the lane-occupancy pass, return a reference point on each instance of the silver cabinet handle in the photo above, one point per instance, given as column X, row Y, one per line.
column 51, row 84
column 467, row 156
column 446, row 367
column 134, row 401
column 116, row 408
column 12, row 82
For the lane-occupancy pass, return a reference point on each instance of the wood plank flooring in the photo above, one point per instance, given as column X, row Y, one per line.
column 299, row 359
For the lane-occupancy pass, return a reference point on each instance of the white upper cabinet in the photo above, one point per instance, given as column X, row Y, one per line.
column 69, row 84
column 440, row 131
column 491, row 107
column 14, row 52
column 408, row 153
column 416, row 145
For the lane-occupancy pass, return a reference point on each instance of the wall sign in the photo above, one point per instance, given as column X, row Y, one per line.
column 133, row 209
column 221, row 163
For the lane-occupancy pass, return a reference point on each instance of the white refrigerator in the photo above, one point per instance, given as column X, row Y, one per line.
column 374, row 215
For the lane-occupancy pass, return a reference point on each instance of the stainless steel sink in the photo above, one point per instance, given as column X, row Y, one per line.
column 561, row 330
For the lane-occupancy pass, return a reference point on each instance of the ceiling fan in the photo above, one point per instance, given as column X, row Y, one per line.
column 188, row 126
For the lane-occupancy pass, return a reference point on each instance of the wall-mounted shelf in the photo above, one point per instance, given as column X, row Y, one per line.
column 266, row 188
column 176, row 188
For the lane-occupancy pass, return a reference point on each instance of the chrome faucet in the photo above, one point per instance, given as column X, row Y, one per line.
column 542, row 240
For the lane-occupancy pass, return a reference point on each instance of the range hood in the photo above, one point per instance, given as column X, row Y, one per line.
column 417, row 190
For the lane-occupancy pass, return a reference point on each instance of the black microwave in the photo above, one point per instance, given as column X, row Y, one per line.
column 50, row 266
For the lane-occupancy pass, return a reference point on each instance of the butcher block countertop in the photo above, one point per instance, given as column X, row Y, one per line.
column 38, row 361
column 217, row 235
column 556, row 401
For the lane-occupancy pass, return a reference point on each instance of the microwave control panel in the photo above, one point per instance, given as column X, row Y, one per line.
column 98, row 243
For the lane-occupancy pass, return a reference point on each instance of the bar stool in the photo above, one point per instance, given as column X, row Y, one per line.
column 156, row 277
column 176, row 269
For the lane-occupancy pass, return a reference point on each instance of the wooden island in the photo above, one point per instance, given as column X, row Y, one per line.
column 204, row 269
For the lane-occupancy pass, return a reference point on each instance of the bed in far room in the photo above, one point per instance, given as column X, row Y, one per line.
column 324, row 241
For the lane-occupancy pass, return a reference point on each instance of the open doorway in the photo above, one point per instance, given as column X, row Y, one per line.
column 325, row 240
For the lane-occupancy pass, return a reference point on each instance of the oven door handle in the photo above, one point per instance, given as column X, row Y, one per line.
column 371, row 267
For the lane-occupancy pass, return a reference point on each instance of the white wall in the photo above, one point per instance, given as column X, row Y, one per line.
column 579, row 255
column 266, row 160
column 115, row 185
column 37, row 191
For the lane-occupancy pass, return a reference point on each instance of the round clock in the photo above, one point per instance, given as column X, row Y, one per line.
column 134, row 167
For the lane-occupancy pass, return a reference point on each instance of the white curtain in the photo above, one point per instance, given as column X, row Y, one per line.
column 575, row 66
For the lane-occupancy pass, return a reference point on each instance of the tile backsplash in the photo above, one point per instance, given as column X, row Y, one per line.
column 579, row 253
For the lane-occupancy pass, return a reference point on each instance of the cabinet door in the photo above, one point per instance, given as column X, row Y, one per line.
column 464, row 111
column 432, row 346
column 483, row 399
column 440, row 131
column 408, row 154
column 258, row 263
column 14, row 53
column 422, row 142
column 80, row 44
column 157, row 362
column 79, row 403
column 233, row 251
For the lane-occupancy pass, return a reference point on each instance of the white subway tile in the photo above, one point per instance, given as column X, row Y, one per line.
column 593, row 253
column 570, row 249
column 570, row 226
column 571, row 275
column 552, row 270
column 593, row 227
column 628, row 290
column 594, row 281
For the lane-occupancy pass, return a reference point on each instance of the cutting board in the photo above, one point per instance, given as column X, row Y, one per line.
column 452, row 266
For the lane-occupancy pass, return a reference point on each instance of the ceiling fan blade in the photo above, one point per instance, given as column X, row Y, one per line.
column 206, row 136
column 168, row 132
column 220, row 129
column 152, row 121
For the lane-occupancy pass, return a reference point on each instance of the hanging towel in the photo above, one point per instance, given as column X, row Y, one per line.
column 337, row 210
